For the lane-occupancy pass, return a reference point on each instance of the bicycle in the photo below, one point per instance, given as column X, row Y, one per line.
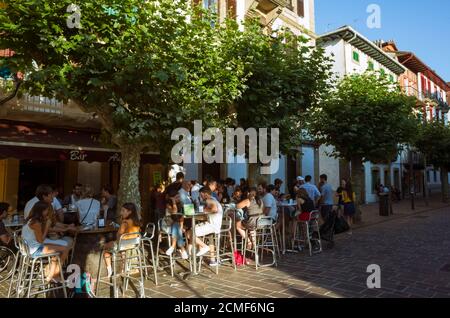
column 7, row 261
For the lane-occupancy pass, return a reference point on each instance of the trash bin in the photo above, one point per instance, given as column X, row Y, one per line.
column 384, row 204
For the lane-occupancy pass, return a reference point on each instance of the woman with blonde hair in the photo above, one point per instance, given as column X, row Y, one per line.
column 88, row 207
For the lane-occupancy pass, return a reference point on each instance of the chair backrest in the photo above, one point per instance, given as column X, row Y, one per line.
column 227, row 223
column 129, row 241
column 16, row 235
column 264, row 221
column 23, row 246
column 149, row 231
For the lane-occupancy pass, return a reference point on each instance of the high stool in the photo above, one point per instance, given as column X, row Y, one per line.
column 147, row 251
column 304, row 233
column 221, row 241
column 31, row 271
column 163, row 235
column 126, row 251
column 263, row 240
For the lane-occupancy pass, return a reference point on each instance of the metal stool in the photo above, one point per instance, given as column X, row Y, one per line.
column 147, row 251
column 19, row 259
column 263, row 239
column 128, row 250
column 220, row 241
column 32, row 270
column 161, row 236
column 304, row 232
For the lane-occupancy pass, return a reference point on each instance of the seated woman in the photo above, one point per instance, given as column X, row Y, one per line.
column 305, row 205
column 173, row 224
column 88, row 207
column 34, row 232
column 130, row 223
column 254, row 209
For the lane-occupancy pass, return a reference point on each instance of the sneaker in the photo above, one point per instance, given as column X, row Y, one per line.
column 170, row 251
column 184, row 255
column 214, row 263
column 203, row 251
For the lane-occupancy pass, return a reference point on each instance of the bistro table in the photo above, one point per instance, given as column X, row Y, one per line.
column 231, row 210
column 89, row 245
column 281, row 209
column 194, row 217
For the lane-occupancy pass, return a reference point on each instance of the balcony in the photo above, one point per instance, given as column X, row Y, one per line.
column 267, row 10
column 44, row 110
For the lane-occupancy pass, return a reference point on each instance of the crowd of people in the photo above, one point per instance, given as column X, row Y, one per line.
column 49, row 225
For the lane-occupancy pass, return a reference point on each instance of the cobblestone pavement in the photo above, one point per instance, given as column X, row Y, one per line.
column 413, row 253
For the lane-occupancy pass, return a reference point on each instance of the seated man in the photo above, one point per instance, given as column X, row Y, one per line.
column 214, row 211
column 5, row 237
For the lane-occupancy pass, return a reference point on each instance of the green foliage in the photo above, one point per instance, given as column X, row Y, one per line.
column 288, row 76
column 142, row 66
column 433, row 140
column 365, row 117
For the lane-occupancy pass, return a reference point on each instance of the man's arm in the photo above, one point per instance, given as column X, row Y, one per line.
column 211, row 206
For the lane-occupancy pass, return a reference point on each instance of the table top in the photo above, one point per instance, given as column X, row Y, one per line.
column 107, row 229
column 287, row 204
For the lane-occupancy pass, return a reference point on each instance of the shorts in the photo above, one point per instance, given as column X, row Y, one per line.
column 39, row 251
column 65, row 241
column 349, row 209
column 204, row 229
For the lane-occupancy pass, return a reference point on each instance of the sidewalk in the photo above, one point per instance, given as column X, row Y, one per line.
column 371, row 215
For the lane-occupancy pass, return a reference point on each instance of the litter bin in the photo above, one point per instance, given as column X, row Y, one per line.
column 384, row 204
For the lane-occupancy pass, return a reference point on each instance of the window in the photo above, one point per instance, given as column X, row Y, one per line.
column 231, row 9
column 301, row 8
column 209, row 4
column 371, row 66
column 387, row 178
column 355, row 56
column 391, row 78
column 383, row 72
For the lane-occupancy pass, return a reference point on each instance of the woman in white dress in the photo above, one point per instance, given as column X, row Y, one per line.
column 88, row 207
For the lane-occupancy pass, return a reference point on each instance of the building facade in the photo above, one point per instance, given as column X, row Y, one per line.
column 353, row 53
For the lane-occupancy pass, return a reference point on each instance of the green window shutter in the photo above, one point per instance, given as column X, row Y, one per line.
column 391, row 78
column 355, row 56
column 371, row 66
column 382, row 71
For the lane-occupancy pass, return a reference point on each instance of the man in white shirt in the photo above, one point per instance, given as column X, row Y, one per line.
column 44, row 193
column 215, row 214
column 269, row 202
column 311, row 189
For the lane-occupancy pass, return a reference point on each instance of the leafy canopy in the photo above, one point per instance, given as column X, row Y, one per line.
column 365, row 117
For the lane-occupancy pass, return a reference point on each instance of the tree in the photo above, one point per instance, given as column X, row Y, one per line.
column 288, row 76
column 144, row 67
column 365, row 118
column 433, row 140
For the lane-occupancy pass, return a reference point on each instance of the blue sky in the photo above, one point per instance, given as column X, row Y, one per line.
column 422, row 27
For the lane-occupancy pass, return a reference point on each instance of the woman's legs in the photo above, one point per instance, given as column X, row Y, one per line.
column 55, row 270
column 107, row 256
column 240, row 229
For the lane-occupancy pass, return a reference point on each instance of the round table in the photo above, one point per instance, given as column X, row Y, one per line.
column 281, row 206
column 89, row 245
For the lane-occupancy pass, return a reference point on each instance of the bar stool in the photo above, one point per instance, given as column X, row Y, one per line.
column 263, row 239
column 304, row 232
column 220, row 241
column 32, row 270
column 147, row 251
column 19, row 259
column 162, row 235
column 128, row 250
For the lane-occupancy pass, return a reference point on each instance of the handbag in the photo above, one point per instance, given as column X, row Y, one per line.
column 87, row 213
column 239, row 259
column 341, row 226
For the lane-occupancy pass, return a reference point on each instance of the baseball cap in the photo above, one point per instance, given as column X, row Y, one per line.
column 300, row 178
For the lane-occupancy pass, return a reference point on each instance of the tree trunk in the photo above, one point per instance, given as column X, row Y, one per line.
column 129, row 175
column 358, row 180
column 254, row 175
column 444, row 184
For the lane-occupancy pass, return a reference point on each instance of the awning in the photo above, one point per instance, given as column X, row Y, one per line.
column 29, row 141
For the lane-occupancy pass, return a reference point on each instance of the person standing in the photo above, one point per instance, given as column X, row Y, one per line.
column 327, row 198
column 311, row 189
column 348, row 199
column 109, row 204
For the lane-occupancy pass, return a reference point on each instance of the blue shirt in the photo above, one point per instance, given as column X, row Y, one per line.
column 327, row 194
column 312, row 191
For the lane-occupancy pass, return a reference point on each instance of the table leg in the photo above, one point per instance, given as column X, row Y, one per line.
column 283, row 244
